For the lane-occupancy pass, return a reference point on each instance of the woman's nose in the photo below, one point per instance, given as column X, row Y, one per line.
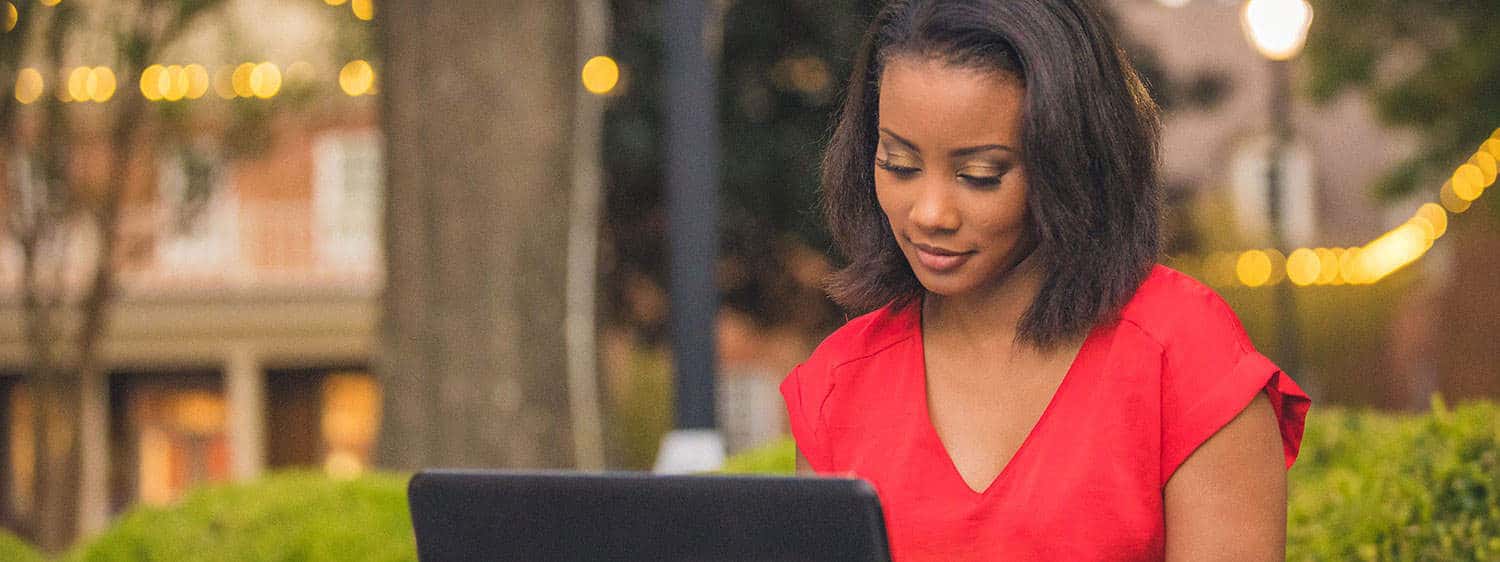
column 934, row 209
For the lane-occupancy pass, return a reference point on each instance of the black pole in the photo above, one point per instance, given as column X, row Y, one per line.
column 1281, row 135
column 692, row 144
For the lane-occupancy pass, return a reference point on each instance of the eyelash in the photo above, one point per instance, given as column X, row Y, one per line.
column 905, row 172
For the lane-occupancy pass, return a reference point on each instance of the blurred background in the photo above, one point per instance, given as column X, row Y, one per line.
column 247, row 236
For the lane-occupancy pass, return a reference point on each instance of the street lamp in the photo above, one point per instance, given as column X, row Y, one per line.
column 1278, row 30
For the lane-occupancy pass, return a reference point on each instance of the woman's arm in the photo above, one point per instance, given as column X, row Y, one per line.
column 1227, row 501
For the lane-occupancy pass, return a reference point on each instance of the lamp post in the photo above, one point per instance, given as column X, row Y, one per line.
column 1278, row 30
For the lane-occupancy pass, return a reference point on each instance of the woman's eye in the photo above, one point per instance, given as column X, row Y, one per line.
column 900, row 171
column 980, row 181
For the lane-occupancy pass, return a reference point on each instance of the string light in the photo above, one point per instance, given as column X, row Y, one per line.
column 1381, row 257
column 363, row 9
column 600, row 75
column 356, row 78
column 29, row 85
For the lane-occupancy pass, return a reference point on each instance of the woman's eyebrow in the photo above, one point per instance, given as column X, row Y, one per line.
column 955, row 153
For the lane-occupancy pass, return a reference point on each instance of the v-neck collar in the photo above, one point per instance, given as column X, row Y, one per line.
column 930, row 430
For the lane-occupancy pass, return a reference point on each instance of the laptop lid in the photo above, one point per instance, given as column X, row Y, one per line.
column 490, row 515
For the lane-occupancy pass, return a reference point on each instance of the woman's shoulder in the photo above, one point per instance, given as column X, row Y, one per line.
column 1176, row 310
column 867, row 335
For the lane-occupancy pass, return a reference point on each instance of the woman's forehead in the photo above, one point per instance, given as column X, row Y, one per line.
column 937, row 105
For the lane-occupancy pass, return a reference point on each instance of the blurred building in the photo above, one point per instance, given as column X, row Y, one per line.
column 240, row 338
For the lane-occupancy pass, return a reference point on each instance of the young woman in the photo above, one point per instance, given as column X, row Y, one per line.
column 1027, row 383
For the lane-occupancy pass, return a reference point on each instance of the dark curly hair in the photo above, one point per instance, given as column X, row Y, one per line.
column 1089, row 141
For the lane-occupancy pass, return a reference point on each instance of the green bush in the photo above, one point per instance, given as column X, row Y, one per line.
column 13, row 549
column 1381, row 487
column 296, row 516
column 1366, row 486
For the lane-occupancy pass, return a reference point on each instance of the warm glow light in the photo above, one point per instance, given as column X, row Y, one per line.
column 265, row 80
column 1328, row 266
column 197, row 80
column 1253, row 268
column 1435, row 216
column 1487, row 167
column 50, row 2
column 224, row 82
column 600, row 75
column 29, row 85
column 173, row 83
column 199, row 413
column 363, row 9
column 11, row 17
column 102, row 84
column 1392, row 251
column 1492, row 146
column 1304, row 267
column 151, row 82
column 356, row 78
column 1349, row 267
column 78, row 83
column 1450, row 200
column 335, row 2
column 1277, row 28
column 1468, row 182
column 240, row 80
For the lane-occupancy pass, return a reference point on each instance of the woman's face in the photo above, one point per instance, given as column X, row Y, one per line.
column 948, row 173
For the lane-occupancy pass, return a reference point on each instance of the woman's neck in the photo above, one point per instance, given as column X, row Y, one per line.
column 992, row 314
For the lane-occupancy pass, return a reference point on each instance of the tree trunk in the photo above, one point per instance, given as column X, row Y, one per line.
column 477, row 112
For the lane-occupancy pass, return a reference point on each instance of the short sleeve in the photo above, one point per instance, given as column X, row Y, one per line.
column 1210, row 374
column 804, row 391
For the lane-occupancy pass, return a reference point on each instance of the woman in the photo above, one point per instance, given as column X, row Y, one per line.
column 1029, row 384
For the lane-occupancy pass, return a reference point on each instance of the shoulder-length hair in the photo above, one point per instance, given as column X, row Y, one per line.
column 1089, row 143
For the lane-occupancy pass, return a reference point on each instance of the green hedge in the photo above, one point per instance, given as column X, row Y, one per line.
column 1368, row 486
column 13, row 549
column 298, row 516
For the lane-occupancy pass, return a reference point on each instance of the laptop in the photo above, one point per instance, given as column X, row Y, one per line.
column 461, row 515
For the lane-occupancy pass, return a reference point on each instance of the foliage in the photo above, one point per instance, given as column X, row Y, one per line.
column 300, row 516
column 13, row 549
column 1366, row 486
column 1428, row 65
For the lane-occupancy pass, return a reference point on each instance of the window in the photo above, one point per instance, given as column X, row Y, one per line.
column 201, row 214
column 347, row 194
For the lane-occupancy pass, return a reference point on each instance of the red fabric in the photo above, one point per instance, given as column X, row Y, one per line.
column 1087, row 482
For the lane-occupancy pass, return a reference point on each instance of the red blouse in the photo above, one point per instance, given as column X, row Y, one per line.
column 1087, row 482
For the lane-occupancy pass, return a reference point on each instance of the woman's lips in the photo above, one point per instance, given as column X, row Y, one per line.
column 940, row 259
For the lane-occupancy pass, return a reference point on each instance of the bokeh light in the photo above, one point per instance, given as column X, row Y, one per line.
column 224, row 83
column 265, row 80
column 29, row 85
column 1328, row 266
column 1450, row 200
column 1486, row 164
column 197, row 80
column 356, row 78
column 1436, row 216
column 335, row 2
column 101, row 84
column 363, row 9
column 1468, row 182
column 1253, row 268
column 600, row 75
column 12, row 17
column 1278, row 28
column 50, row 2
column 1304, row 267
column 240, row 80
column 150, row 82
column 78, row 84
